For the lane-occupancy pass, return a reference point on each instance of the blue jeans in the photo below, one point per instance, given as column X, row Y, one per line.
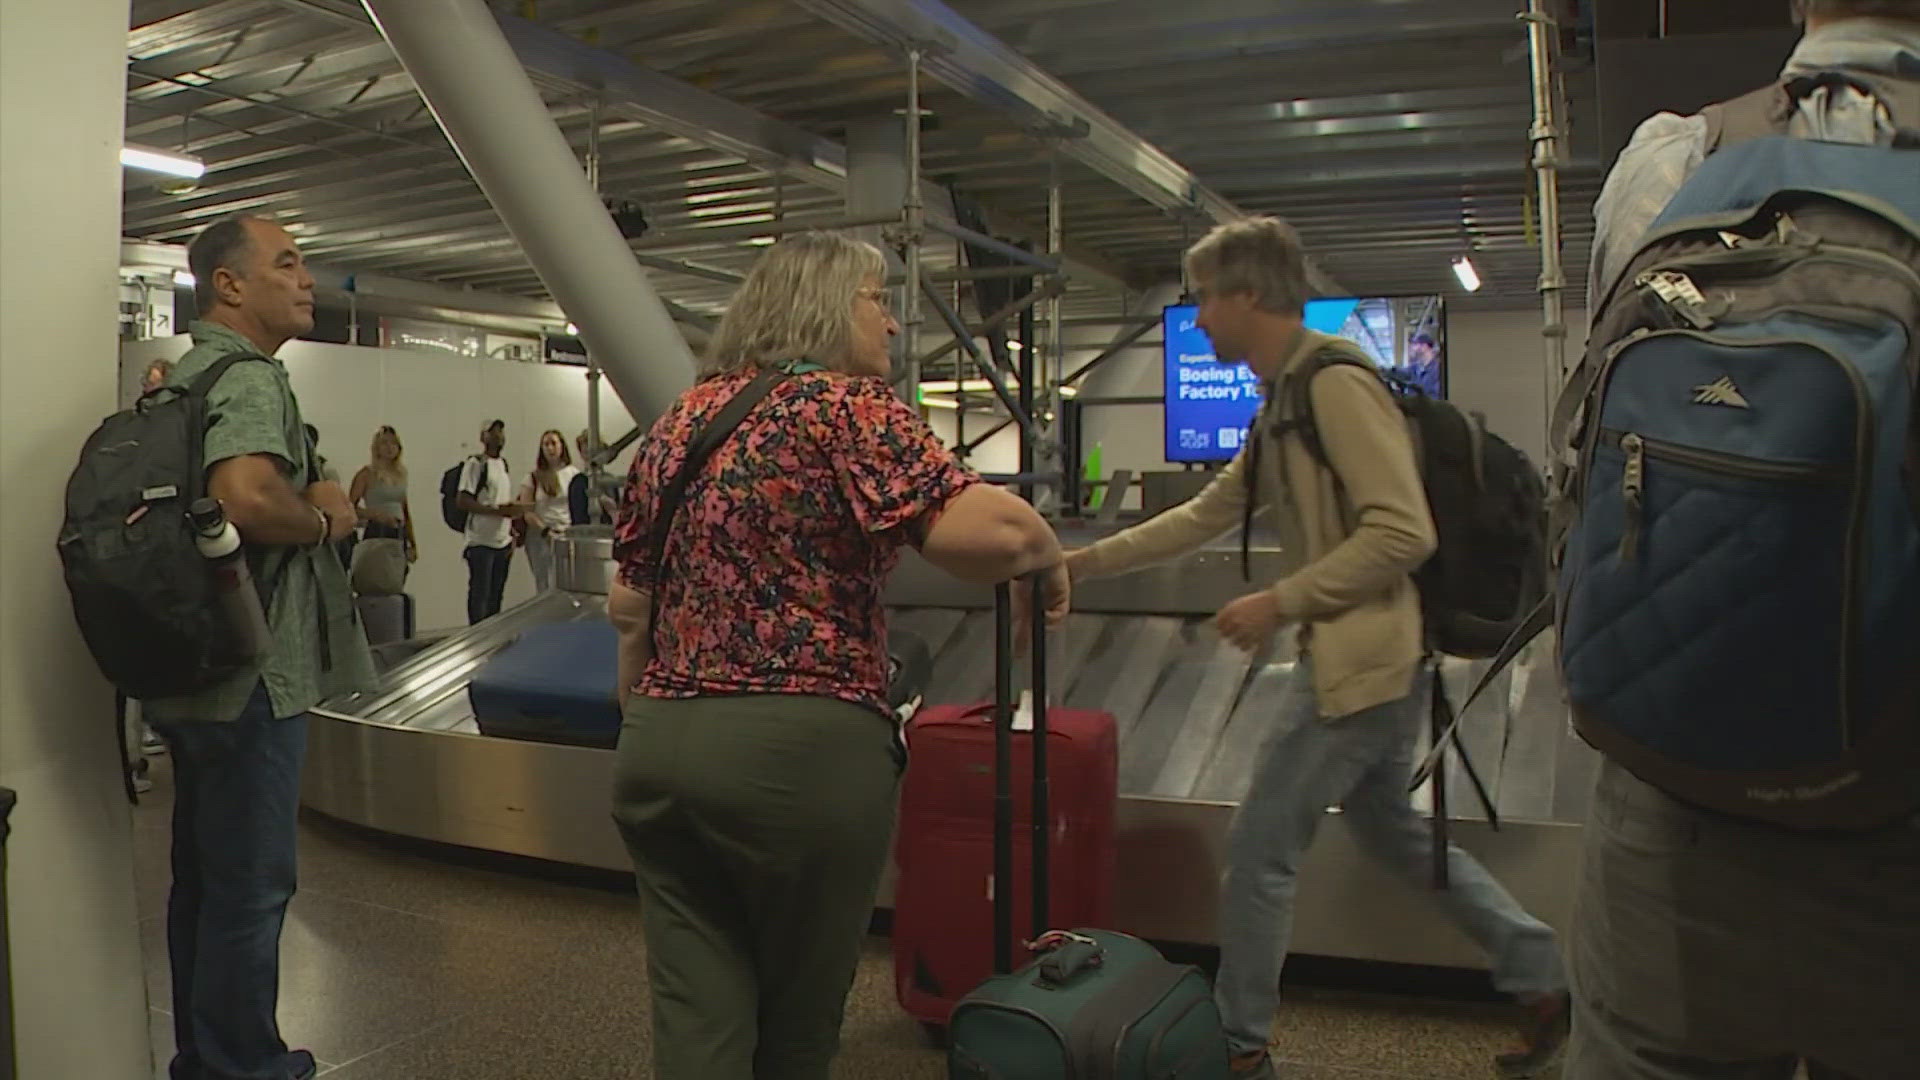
column 486, row 580
column 236, row 798
column 1361, row 763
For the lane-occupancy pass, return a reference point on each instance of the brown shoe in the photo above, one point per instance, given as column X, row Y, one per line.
column 1255, row 1066
column 1549, row 1022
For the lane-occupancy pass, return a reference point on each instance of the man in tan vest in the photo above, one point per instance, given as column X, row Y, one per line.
column 1352, row 533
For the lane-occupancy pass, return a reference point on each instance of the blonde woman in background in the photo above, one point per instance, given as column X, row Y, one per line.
column 546, row 492
column 380, row 492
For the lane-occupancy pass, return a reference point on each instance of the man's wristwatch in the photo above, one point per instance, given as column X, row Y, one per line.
column 326, row 526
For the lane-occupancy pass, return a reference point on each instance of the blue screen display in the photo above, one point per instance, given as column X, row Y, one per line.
column 1210, row 405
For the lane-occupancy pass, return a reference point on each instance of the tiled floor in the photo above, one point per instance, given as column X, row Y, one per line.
column 398, row 964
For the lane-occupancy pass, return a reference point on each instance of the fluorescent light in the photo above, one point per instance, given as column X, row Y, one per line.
column 948, row 386
column 761, row 241
column 1069, row 391
column 160, row 161
column 939, row 403
column 184, row 279
column 1469, row 277
column 1015, row 346
column 572, row 330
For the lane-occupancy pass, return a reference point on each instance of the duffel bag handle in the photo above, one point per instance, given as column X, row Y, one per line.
column 1070, row 959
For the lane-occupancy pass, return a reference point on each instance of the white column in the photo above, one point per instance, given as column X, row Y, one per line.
column 488, row 106
column 78, row 991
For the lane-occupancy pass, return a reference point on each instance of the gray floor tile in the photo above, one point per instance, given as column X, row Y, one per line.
column 1395, row 1037
column 399, row 966
column 356, row 977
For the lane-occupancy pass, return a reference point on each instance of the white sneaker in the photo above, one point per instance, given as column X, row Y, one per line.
column 151, row 744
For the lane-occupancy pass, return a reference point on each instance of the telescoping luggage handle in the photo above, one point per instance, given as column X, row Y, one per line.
column 1003, row 715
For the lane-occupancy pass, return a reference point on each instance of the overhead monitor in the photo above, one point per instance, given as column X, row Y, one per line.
column 1209, row 405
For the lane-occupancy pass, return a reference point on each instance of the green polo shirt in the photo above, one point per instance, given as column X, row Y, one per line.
column 252, row 410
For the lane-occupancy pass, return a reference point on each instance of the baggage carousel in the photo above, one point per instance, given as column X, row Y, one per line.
column 407, row 757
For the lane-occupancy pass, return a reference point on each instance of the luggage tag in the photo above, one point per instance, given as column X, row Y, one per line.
column 1023, row 712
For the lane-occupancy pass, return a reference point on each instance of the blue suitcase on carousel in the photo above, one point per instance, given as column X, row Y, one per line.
column 555, row 684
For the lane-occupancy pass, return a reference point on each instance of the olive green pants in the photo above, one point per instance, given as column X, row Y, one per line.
column 758, row 827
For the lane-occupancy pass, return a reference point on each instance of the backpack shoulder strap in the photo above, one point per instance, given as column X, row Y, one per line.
column 203, row 383
column 1300, row 419
column 1766, row 111
column 1770, row 110
column 699, row 450
column 1901, row 96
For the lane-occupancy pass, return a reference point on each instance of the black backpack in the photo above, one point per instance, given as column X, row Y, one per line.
column 1484, row 587
column 455, row 517
column 140, row 588
column 1489, row 572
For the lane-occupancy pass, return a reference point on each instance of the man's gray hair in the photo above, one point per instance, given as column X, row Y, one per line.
column 1258, row 255
column 1831, row 9
column 796, row 304
column 220, row 246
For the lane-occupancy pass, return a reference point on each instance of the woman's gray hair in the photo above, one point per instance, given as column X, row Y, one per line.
column 1899, row 9
column 1258, row 255
column 796, row 304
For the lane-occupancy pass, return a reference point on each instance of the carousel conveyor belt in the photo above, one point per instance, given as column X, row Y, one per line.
column 1193, row 711
column 1193, row 714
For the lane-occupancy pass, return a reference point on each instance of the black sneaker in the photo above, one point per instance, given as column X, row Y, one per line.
column 300, row 1065
column 1549, row 1022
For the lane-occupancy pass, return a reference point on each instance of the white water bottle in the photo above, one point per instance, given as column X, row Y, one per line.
column 219, row 543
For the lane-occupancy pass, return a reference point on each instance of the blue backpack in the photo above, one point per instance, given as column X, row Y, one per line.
column 1739, row 594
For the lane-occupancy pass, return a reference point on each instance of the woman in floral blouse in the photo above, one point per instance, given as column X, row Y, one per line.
column 759, row 761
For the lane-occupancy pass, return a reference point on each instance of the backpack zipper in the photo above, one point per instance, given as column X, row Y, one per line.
column 1632, row 489
column 1633, row 479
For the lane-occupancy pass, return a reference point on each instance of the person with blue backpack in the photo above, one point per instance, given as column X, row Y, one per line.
column 1739, row 587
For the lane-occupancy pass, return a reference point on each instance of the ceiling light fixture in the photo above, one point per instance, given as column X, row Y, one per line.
column 1469, row 277
column 161, row 161
column 184, row 279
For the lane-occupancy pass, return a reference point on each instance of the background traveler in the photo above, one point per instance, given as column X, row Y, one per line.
column 548, row 492
column 486, row 495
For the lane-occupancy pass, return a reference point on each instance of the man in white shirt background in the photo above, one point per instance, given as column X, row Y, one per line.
column 486, row 495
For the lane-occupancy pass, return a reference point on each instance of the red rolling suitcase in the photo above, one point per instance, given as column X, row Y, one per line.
column 944, row 933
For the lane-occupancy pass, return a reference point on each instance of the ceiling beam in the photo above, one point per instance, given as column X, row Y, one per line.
column 668, row 104
column 984, row 69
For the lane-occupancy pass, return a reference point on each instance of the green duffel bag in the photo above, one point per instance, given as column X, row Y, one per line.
column 1097, row 1006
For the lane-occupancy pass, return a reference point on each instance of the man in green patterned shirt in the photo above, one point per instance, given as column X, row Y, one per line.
column 238, row 746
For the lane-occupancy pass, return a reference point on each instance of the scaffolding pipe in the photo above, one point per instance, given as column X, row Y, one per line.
column 1113, row 350
column 915, row 222
column 982, row 240
column 1055, row 364
column 701, row 237
column 594, row 374
column 994, row 376
column 998, row 318
column 469, row 76
column 1541, row 30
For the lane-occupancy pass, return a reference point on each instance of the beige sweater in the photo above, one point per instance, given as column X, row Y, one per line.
column 1347, row 585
